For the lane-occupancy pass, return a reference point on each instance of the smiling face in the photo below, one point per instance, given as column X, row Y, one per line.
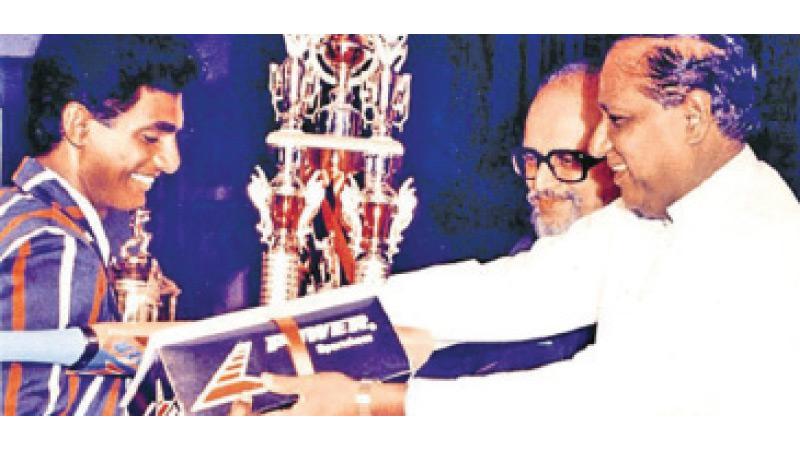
column 122, row 157
column 646, row 144
column 563, row 116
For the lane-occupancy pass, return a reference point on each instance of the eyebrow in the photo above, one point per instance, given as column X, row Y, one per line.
column 162, row 126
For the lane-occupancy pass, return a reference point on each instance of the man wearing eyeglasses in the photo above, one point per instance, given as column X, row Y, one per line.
column 564, row 182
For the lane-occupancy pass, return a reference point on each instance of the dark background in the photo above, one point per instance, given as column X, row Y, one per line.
column 469, row 98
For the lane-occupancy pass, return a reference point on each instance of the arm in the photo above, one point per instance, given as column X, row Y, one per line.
column 563, row 388
column 119, row 347
column 469, row 301
column 44, row 273
column 552, row 288
column 43, row 346
column 559, row 388
column 57, row 285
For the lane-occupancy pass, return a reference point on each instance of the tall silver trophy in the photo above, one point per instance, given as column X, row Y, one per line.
column 144, row 293
column 330, row 215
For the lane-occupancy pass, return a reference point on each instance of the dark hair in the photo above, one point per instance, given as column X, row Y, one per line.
column 729, row 76
column 102, row 72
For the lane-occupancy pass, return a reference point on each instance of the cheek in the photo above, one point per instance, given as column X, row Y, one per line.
column 119, row 148
column 641, row 148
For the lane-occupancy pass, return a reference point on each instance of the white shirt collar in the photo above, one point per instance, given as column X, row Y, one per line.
column 707, row 193
column 95, row 224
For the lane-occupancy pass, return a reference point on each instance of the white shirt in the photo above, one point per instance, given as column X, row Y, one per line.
column 695, row 315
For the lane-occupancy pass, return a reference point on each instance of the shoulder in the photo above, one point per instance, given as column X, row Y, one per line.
column 27, row 220
column 760, row 189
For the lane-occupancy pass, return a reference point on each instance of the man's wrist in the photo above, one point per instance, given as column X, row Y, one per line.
column 364, row 397
column 382, row 399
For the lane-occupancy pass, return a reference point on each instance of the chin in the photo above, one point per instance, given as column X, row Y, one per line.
column 550, row 227
column 645, row 204
column 129, row 205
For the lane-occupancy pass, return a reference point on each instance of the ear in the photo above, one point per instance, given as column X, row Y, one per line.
column 699, row 120
column 75, row 123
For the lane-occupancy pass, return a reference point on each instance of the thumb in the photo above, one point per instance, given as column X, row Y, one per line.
column 281, row 384
column 242, row 406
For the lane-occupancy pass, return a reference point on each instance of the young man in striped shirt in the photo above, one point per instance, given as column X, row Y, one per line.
column 104, row 115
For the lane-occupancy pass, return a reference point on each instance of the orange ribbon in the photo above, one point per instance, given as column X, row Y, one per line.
column 297, row 348
column 333, row 223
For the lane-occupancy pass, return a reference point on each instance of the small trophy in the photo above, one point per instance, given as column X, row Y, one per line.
column 331, row 216
column 139, row 284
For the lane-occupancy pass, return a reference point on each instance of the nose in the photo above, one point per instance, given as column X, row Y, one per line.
column 600, row 144
column 168, row 158
column 545, row 178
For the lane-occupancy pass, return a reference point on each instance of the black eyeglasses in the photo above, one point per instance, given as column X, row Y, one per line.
column 569, row 166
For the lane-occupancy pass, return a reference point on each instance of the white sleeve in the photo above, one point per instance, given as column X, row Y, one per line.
column 562, row 388
column 58, row 346
column 552, row 288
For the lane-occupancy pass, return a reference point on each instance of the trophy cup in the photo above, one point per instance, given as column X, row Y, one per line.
column 138, row 282
column 330, row 216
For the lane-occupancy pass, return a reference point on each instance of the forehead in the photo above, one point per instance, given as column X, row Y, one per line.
column 561, row 116
column 626, row 67
column 624, row 71
column 153, row 108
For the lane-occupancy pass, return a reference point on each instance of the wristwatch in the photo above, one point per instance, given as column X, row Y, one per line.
column 364, row 397
column 89, row 351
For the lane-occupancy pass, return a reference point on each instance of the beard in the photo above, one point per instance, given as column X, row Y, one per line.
column 562, row 212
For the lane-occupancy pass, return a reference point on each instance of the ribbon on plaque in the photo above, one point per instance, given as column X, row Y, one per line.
column 297, row 348
column 205, row 366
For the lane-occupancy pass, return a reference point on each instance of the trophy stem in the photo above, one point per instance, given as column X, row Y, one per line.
column 371, row 269
column 279, row 281
column 139, row 284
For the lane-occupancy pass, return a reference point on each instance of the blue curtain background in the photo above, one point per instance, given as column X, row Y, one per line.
column 470, row 94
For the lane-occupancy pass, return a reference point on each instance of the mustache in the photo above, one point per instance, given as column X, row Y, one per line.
column 549, row 194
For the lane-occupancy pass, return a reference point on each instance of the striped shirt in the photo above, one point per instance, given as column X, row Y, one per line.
column 53, row 259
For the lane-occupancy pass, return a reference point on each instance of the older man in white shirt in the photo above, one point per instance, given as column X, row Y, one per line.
column 689, row 275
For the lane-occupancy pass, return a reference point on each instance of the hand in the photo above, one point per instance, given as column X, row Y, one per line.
column 329, row 394
column 110, row 332
column 320, row 394
column 121, row 347
column 334, row 394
